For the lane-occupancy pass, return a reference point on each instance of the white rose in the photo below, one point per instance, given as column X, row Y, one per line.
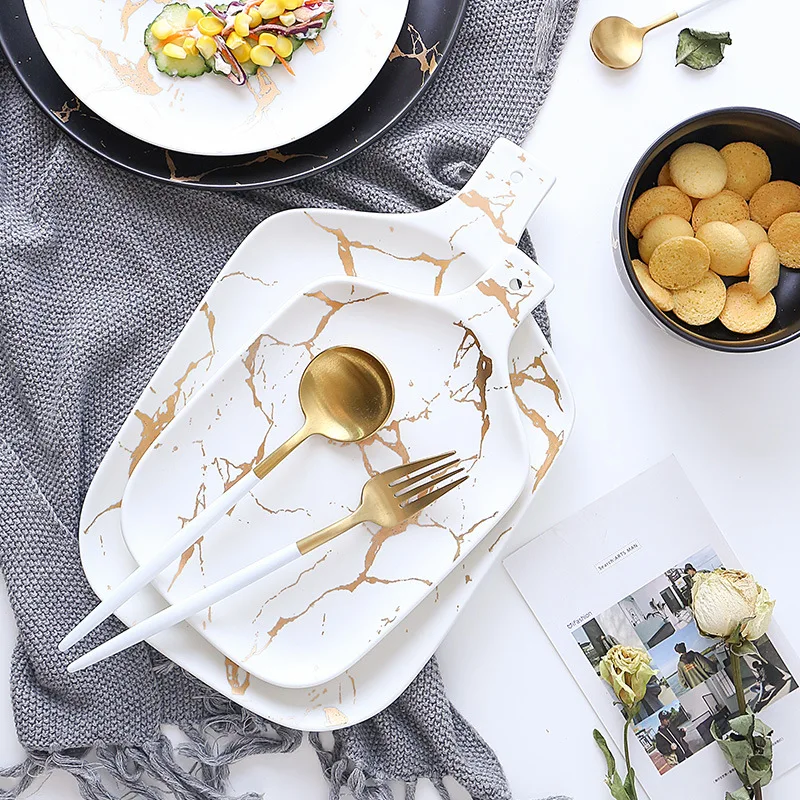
column 725, row 599
column 756, row 627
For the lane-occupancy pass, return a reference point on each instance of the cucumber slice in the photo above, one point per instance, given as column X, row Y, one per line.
column 189, row 67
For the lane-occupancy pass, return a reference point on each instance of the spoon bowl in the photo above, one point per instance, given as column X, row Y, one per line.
column 346, row 394
column 617, row 42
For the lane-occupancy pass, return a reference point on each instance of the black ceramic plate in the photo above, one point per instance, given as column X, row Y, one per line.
column 428, row 33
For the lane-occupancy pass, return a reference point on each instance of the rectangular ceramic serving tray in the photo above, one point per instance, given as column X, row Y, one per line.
column 313, row 619
column 225, row 321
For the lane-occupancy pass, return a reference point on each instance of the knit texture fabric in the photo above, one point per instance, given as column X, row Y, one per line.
column 95, row 285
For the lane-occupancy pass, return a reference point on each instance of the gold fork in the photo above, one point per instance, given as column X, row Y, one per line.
column 387, row 499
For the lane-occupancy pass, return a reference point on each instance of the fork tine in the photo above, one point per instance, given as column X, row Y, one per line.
column 416, row 506
column 415, row 490
column 416, row 478
column 406, row 469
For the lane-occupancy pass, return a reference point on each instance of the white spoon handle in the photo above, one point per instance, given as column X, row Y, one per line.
column 686, row 8
column 188, row 606
column 172, row 548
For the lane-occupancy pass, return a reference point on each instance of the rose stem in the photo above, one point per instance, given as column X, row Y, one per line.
column 736, row 666
column 628, row 720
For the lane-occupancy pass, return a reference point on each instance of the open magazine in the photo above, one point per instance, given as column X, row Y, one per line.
column 620, row 572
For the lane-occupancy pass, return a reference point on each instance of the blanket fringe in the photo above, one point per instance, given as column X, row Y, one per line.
column 342, row 773
column 197, row 769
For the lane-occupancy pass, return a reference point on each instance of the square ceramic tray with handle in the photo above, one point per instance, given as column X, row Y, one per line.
column 435, row 256
column 313, row 619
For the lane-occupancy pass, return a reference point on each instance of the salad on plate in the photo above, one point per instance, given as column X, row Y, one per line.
column 234, row 40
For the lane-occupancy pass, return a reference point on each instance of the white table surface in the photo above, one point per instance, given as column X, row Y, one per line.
column 732, row 420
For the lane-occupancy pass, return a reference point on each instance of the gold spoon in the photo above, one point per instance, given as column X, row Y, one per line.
column 346, row 394
column 618, row 43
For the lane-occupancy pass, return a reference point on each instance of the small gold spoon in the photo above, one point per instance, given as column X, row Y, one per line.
column 346, row 394
column 618, row 43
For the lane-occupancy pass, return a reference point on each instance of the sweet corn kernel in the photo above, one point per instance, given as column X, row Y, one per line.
column 234, row 40
column 241, row 24
column 268, row 40
column 283, row 47
column 242, row 52
column 190, row 46
column 161, row 29
column 174, row 51
column 291, row 5
column 193, row 16
column 210, row 26
column 262, row 56
column 207, row 46
column 255, row 17
column 270, row 9
column 288, row 18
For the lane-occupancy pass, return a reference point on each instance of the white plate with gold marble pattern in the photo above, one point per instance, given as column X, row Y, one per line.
column 97, row 49
column 249, row 288
column 314, row 618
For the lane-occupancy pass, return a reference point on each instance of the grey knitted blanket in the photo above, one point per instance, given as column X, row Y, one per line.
column 87, row 312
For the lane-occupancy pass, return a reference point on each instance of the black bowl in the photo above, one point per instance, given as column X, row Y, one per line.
column 780, row 137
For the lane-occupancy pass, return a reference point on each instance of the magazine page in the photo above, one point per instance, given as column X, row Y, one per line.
column 621, row 572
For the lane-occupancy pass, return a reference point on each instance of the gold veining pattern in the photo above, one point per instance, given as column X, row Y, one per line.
column 474, row 199
column 554, row 440
column 154, row 423
column 498, row 539
column 135, row 76
column 238, row 678
column 426, row 57
column 269, row 155
column 346, row 246
column 315, row 46
column 264, row 90
column 67, row 110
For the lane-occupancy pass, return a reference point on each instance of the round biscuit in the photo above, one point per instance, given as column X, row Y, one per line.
column 658, row 230
column 749, row 167
column 698, row 170
column 679, row 263
column 743, row 313
column 765, row 270
column 730, row 251
column 726, row 206
column 660, row 297
column 772, row 200
column 784, row 235
column 701, row 303
column 656, row 202
column 664, row 178
column 752, row 231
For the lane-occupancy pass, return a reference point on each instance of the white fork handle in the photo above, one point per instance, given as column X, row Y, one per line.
column 189, row 605
column 683, row 9
column 173, row 548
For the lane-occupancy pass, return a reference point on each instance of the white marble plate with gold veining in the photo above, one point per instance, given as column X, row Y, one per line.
column 436, row 261
column 97, row 49
column 314, row 618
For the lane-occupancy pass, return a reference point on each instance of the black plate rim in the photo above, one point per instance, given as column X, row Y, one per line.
column 237, row 186
column 752, row 345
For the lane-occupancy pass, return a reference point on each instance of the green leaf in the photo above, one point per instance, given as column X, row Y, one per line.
column 739, row 794
column 611, row 764
column 630, row 784
column 743, row 724
column 701, row 49
column 613, row 781
column 745, row 648
column 737, row 754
